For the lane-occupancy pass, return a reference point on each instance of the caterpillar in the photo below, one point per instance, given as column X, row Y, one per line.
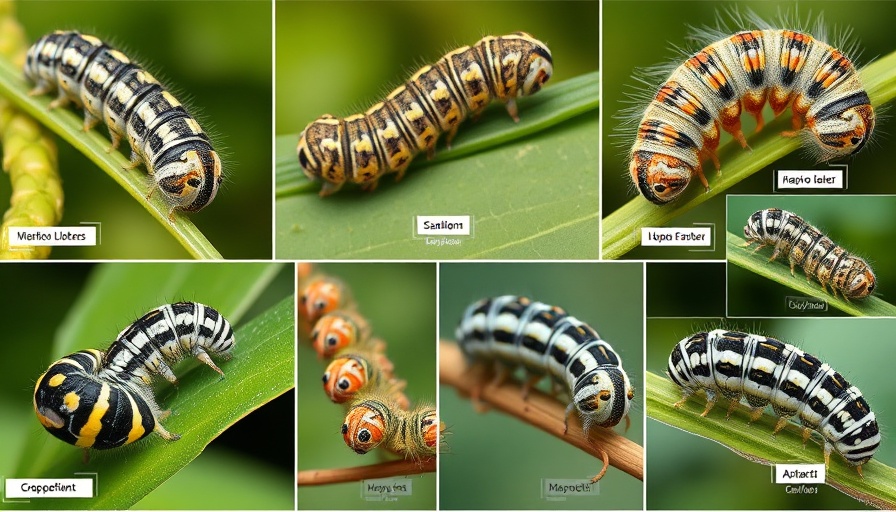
column 516, row 331
column 680, row 127
column 102, row 400
column 809, row 248
column 373, row 421
column 765, row 371
column 362, row 148
column 322, row 295
column 135, row 107
column 338, row 330
column 352, row 371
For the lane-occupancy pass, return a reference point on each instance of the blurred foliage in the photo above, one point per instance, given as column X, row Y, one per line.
column 399, row 302
column 67, row 306
column 861, row 224
column 648, row 39
column 497, row 462
column 682, row 468
column 224, row 80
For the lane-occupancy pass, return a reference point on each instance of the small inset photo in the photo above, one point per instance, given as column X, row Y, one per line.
column 811, row 255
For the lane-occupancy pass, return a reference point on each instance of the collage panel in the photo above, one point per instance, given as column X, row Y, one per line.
column 645, row 42
column 367, row 427
column 503, row 190
column 496, row 461
column 96, row 394
column 837, row 246
column 205, row 132
column 688, row 470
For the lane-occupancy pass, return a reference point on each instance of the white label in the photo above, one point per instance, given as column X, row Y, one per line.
column 811, row 179
column 676, row 236
column 60, row 235
column 559, row 487
column 386, row 487
column 799, row 473
column 457, row 225
column 49, row 488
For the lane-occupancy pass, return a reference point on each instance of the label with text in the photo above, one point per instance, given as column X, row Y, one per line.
column 49, row 488
column 386, row 489
column 799, row 473
column 454, row 225
column 558, row 489
column 701, row 237
column 805, row 304
column 811, row 179
column 54, row 236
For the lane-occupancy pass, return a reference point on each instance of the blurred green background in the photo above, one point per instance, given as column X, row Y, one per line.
column 399, row 301
column 861, row 224
column 214, row 56
column 497, row 462
column 248, row 458
column 689, row 472
column 643, row 34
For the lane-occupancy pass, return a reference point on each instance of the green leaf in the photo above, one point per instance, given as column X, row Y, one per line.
column 622, row 228
column 95, row 146
column 751, row 441
column 531, row 188
column 779, row 271
column 203, row 404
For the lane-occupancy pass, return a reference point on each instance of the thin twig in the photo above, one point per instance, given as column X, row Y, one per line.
column 542, row 411
column 358, row 473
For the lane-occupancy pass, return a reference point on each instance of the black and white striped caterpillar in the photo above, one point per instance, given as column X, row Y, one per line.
column 766, row 371
column 543, row 339
column 784, row 68
column 93, row 399
column 809, row 248
column 135, row 107
column 362, row 148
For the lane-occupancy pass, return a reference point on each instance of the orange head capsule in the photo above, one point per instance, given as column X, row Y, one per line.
column 344, row 377
column 365, row 426
column 336, row 331
column 660, row 178
column 321, row 296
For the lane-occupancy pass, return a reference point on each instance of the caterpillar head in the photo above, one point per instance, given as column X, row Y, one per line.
column 660, row 178
column 537, row 66
column 320, row 153
column 344, row 377
column 854, row 278
column 841, row 127
column 190, row 179
column 365, row 426
column 862, row 440
column 322, row 296
column 430, row 426
column 334, row 332
column 603, row 396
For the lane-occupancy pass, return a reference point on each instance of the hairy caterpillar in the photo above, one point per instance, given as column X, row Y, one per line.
column 353, row 370
column 373, row 421
column 338, row 330
column 93, row 399
column 809, row 248
column 362, row 148
column 135, row 107
column 544, row 339
column 681, row 126
column 767, row 371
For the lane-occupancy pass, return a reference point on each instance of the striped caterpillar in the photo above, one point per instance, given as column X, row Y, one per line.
column 798, row 385
column 362, row 148
column 785, row 68
column 807, row 247
column 543, row 339
column 135, row 107
column 93, row 399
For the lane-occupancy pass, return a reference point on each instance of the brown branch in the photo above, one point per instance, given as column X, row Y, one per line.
column 358, row 473
column 540, row 410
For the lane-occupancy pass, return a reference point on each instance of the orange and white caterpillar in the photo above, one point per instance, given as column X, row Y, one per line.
column 353, row 371
column 681, row 126
column 373, row 421
column 322, row 295
column 363, row 147
column 341, row 329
